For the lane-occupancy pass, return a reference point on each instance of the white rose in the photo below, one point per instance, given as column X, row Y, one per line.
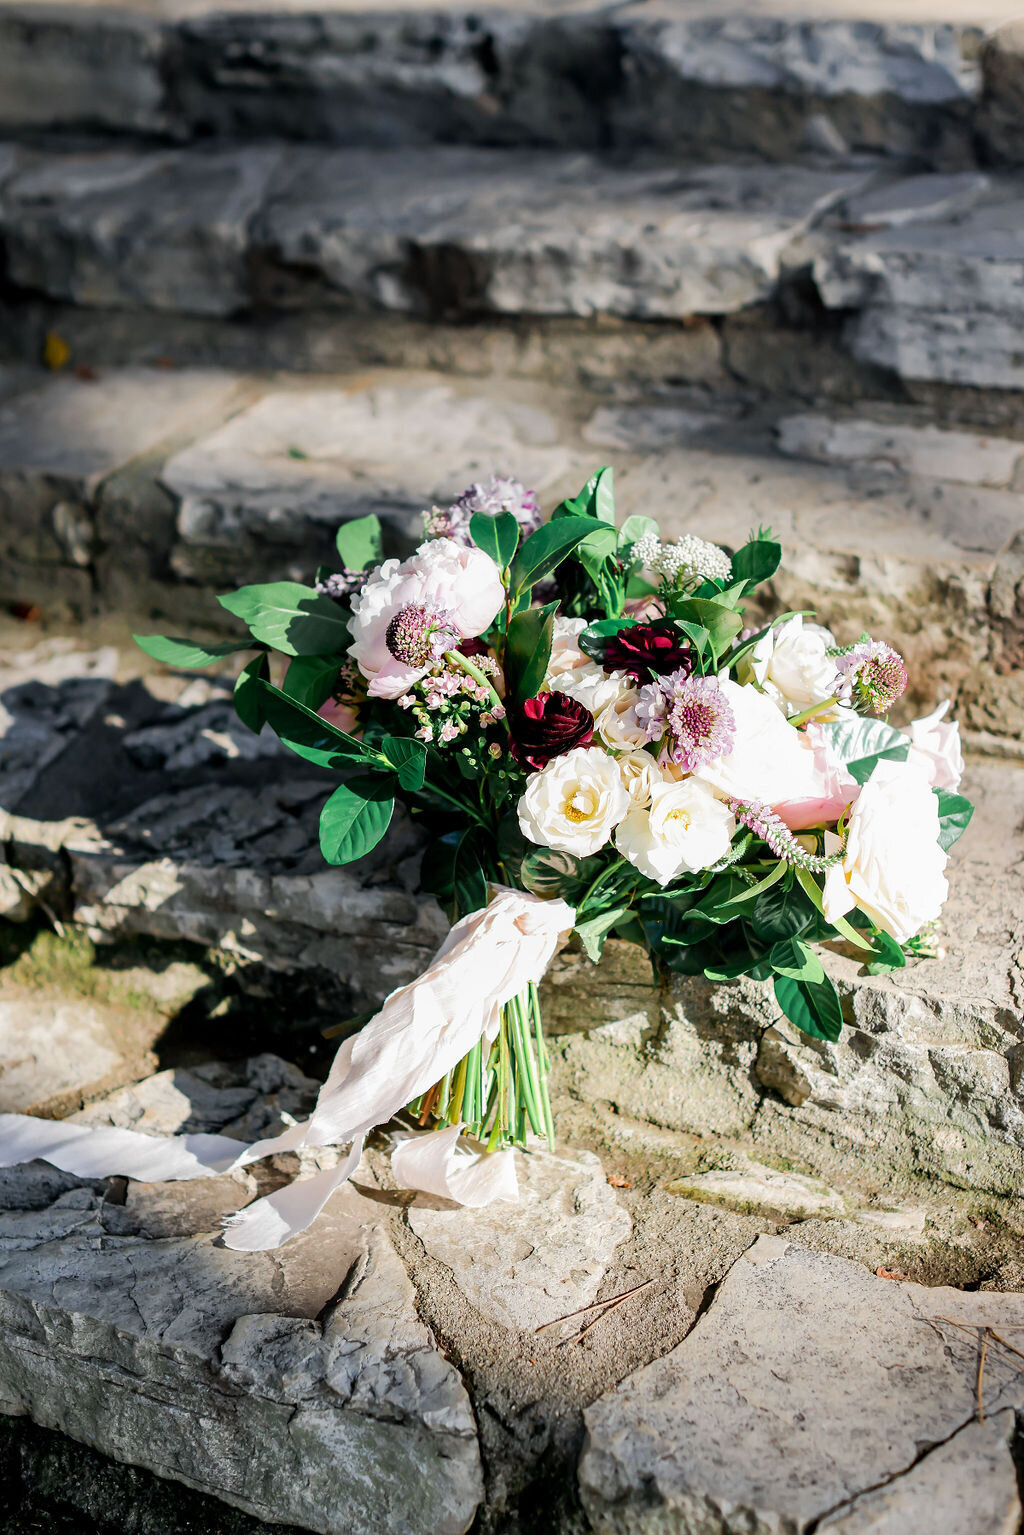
column 792, row 665
column 639, row 772
column 566, row 654
column 684, row 829
column 573, row 672
column 935, row 743
column 770, row 761
column 893, row 866
column 617, row 724
column 575, row 802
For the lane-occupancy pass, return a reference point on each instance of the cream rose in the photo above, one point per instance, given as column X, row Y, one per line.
column 935, row 743
column 575, row 802
column 617, row 724
column 463, row 584
column 684, row 829
column 571, row 670
column 792, row 666
column 893, row 868
column 770, row 761
column 639, row 772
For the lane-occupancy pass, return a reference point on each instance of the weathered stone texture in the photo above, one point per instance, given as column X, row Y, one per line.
column 299, row 1385
column 795, row 1362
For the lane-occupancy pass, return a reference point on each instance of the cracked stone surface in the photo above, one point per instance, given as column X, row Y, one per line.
column 538, row 1260
column 795, row 1360
column 298, row 1385
column 55, row 1051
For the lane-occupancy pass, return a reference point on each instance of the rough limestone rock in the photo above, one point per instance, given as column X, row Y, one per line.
column 264, row 493
column 789, row 1196
column 55, row 1051
column 299, row 1385
column 48, row 695
column 795, row 1361
column 924, row 1079
column 532, row 1262
column 963, row 457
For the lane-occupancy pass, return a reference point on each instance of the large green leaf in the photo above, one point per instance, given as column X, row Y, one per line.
column 812, row 890
column 292, row 618
column 812, row 1006
column 545, row 550
column 721, row 622
column 248, row 696
column 594, row 932
column 596, row 636
column 756, row 562
column 311, row 679
column 408, row 757
column 636, row 527
column 186, row 653
column 886, row 955
column 955, row 814
column 304, row 731
column 528, row 651
column 497, row 536
column 795, row 959
column 782, row 912
column 453, row 870
column 355, row 818
column 359, row 543
column 547, row 872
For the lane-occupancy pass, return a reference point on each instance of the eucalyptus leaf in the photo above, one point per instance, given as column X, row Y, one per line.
column 355, row 819
column 292, row 618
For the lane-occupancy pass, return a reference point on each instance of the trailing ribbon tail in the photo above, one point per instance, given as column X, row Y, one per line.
column 422, row 1031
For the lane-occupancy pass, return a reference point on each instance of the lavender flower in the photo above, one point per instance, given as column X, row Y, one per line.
column 872, row 674
column 694, row 713
column 500, row 493
column 771, row 828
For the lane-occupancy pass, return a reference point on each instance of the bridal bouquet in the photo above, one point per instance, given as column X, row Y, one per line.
column 592, row 739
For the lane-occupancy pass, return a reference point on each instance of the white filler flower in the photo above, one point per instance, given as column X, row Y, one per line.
column 575, row 802
column 685, row 828
column 893, row 868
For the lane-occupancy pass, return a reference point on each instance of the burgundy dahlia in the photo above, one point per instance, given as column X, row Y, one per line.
column 548, row 726
column 646, row 651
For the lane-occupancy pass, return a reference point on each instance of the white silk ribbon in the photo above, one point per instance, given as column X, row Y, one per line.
column 421, row 1032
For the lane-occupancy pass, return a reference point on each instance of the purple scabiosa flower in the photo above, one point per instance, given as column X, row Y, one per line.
column 695, row 715
column 499, row 493
column 419, row 634
column 873, row 676
column 342, row 584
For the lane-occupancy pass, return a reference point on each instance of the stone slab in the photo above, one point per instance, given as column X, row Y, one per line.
column 962, row 457
column 121, row 229
column 529, row 1264
column 263, row 495
column 795, row 1360
column 56, row 1051
column 299, row 1385
column 49, row 693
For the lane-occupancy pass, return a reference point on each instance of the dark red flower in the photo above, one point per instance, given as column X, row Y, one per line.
column 646, row 651
column 548, row 726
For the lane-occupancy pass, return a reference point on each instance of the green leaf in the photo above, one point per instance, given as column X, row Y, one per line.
column 304, row 732
column 359, row 543
column 595, row 930
column 248, row 697
column 596, row 636
column 782, row 912
column 186, row 652
column 635, row 528
column 354, row 819
column 955, row 814
column 749, row 895
column 547, row 872
column 545, row 550
column 528, row 651
column 453, row 871
column 797, row 960
column 408, row 757
column 497, row 536
column 756, row 562
column 812, row 890
column 311, row 679
column 292, row 618
column 727, row 897
column 721, row 622
column 812, row 1006
column 862, row 743
column 731, row 970
column 887, row 955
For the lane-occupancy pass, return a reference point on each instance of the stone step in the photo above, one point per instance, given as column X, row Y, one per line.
column 145, row 491
column 940, row 83
column 913, row 280
column 141, row 810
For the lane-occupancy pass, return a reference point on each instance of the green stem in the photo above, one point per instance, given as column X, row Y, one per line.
column 809, row 714
column 460, row 805
column 462, row 663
